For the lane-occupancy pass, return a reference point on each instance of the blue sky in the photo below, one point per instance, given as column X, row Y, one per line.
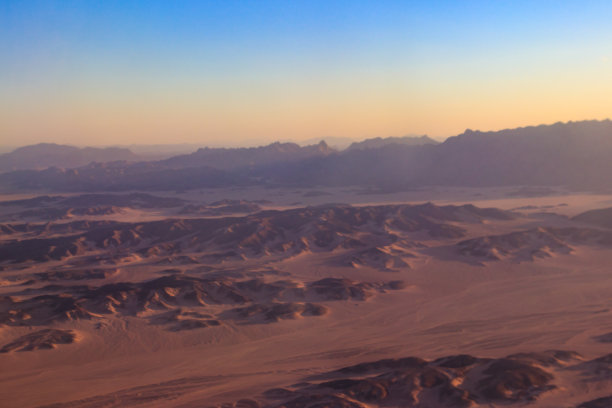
column 246, row 72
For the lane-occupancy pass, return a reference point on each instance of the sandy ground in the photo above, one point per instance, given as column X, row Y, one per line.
column 449, row 307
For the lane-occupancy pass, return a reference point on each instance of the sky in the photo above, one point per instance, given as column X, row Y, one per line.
column 250, row 72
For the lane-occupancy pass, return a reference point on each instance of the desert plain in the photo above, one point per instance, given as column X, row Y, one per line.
column 435, row 297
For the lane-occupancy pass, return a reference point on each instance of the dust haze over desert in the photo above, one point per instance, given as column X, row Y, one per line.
column 305, row 204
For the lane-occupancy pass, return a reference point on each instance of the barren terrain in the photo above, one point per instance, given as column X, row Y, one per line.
column 307, row 298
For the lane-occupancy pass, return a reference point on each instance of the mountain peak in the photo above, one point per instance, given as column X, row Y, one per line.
column 44, row 155
column 229, row 158
column 401, row 140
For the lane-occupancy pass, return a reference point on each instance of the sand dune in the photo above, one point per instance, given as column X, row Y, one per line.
column 174, row 292
column 286, row 232
column 598, row 403
column 532, row 244
column 450, row 381
column 273, row 312
column 41, row 339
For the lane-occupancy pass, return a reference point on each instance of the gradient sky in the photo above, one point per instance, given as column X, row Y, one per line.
column 246, row 72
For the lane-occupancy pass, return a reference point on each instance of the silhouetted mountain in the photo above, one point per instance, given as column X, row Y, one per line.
column 45, row 155
column 336, row 142
column 403, row 140
column 119, row 176
column 575, row 155
column 226, row 159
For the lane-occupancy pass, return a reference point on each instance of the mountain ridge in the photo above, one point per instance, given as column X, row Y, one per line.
column 229, row 158
column 377, row 142
column 44, row 155
column 573, row 155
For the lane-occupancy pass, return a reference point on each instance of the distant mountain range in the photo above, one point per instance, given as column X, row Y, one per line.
column 402, row 140
column 231, row 158
column 43, row 155
column 575, row 154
